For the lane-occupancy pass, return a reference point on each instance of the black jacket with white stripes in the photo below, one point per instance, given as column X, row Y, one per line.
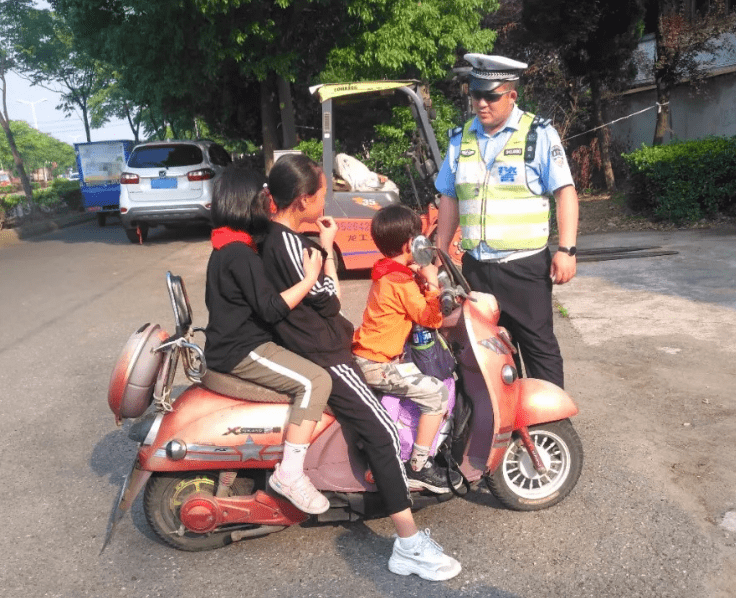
column 314, row 329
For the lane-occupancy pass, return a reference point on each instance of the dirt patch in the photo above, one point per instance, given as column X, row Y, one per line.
column 606, row 213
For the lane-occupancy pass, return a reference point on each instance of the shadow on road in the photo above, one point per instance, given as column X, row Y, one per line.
column 367, row 553
column 112, row 458
column 114, row 234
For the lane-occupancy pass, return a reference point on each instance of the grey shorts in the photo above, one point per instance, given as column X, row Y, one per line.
column 428, row 392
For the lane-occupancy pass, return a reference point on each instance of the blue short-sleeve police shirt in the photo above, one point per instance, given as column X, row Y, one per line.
column 548, row 171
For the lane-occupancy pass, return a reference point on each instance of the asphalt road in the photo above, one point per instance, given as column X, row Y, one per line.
column 648, row 517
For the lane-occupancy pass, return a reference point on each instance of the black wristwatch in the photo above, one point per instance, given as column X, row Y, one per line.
column 568, row 250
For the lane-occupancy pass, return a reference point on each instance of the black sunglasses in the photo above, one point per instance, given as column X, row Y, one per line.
column 488, row 96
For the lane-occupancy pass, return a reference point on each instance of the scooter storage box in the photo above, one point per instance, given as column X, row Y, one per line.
column 134, row 377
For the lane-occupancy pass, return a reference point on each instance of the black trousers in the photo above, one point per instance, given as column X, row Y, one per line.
column 357, row 409
column 523, row 290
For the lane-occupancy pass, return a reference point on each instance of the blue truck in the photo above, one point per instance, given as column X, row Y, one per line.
column 100, row 164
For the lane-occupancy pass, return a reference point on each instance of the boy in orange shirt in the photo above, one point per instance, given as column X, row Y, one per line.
column 395, row 302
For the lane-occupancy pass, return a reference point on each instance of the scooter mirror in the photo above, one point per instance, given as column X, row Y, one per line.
column 422, row 251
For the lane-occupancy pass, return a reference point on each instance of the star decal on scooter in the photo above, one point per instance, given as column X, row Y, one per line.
column 251, row 451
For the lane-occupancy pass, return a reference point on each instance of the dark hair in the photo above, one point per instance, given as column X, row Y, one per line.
column 393, row 226
column 241, row 202
column 291, row 176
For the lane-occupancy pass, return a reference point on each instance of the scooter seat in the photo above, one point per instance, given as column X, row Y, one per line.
column 232, row 386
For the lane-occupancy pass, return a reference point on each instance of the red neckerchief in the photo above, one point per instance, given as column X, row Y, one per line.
column 225, row 235
column 386, row 265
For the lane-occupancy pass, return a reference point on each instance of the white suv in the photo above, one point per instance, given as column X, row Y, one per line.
column 169, row 182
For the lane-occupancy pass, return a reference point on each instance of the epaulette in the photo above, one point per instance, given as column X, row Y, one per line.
column 456, row 131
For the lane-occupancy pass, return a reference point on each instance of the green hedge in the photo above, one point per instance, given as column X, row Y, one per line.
column 684, row 181
column 60, row 190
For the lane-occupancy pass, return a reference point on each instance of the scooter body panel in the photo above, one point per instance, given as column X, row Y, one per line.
column 495, row 402
column 334, row 463
column 219, row 432
column 541, row 402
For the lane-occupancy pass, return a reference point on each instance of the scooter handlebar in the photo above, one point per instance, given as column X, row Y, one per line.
column 447, row 302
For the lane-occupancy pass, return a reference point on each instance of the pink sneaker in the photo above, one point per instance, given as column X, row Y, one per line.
column 301, row 493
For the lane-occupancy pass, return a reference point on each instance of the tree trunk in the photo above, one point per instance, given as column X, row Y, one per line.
column 85, row 118
column 603, row 137
column 288, row 126
column 665, row 59
column 662, row 124
column 268, row 121
column 134, row 127
column 27, row 190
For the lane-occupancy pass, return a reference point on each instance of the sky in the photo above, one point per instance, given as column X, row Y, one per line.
column 52, row 121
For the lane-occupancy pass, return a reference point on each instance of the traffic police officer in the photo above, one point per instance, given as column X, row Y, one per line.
column 496, row 180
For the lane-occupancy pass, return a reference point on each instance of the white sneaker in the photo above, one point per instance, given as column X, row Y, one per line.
column 301, row 493
column 425, row 558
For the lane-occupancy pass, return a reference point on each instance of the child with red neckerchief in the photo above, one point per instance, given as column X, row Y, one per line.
column 395, row 302
column 243, row 306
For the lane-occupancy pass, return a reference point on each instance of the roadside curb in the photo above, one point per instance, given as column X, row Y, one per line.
column 12, row 236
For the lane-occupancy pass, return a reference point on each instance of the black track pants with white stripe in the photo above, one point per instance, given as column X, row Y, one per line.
column 358, row 409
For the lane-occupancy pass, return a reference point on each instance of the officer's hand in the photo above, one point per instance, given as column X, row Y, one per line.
column 563, row 267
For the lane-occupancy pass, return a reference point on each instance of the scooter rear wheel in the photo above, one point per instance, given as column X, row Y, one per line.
column 516, row 483
column 165, row 493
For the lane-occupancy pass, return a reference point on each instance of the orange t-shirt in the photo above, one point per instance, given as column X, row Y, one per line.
column 395, row 301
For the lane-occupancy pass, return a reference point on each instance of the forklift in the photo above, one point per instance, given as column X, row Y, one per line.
column 353, row 209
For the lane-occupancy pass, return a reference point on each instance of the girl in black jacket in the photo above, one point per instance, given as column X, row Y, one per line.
column 316, row 330
column 243, row 306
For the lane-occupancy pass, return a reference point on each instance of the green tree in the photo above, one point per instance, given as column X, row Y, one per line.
column 37, row 149
column 231, row 63
column 405, row 38
column 596, row 40
column 12, row 12
column 167, row 61
column 48, row 58
column 114, row 101
column 546, row 87
column 349, row 41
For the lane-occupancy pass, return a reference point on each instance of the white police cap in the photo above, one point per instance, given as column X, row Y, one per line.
column 489, row 72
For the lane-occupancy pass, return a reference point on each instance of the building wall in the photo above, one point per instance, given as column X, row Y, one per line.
column 693, row 115
column 709, row 111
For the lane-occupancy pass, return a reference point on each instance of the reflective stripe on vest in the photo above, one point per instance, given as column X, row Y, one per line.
column 495, row 204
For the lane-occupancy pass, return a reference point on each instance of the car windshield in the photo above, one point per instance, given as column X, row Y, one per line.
column 165, row 155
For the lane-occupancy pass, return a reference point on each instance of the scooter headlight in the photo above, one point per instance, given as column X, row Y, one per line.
column 509, row 375
column 176, row 450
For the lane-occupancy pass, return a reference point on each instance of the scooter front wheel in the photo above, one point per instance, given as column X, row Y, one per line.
column 165, row 493
column 520, row 487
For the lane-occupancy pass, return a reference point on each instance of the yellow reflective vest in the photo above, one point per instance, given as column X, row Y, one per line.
column 496, row 204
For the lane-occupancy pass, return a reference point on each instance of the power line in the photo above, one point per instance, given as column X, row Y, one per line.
column 657, row 105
